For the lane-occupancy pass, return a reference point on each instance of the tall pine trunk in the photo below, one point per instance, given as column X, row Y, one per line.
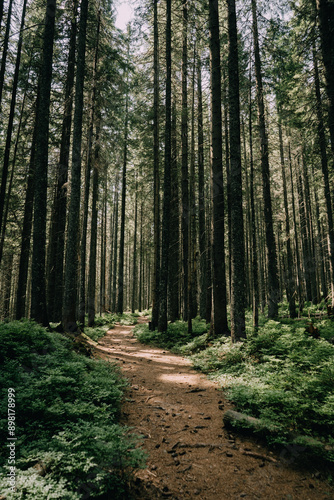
column 156, row 177
column 120, row 296
column 238, row 285
column 58, row 222
column 201, row 199
column 218, row 250
column 162, row 324
column 326, row 18
column 38, row 278
column 273, row 284
column 72, row 252
column 184, row 164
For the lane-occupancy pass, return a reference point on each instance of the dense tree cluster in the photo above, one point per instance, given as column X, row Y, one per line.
column 185, row 165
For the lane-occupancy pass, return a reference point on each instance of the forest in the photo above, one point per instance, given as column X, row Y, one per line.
column 177, row 174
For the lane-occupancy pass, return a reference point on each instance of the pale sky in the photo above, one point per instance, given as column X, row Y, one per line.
column 124, row 14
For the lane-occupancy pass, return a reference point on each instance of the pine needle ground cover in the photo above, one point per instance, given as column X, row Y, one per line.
column 279, row 374
column 69, row 443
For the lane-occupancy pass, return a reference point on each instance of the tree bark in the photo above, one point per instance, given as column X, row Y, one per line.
column 238, row 284
column 120, row 291
column 5, row 167
column 324, row 168
column 38, row 278
column 201, row 198
column 58, row 222
column 162, row 324
column 5, row 50
column 72, row 254
column 219, row 278
column 289, row 277
column 273, row 284
column 326, row 21
column 174, row 248
column 184, row 164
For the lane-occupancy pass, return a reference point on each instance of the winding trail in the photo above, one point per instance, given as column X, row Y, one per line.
column 191, row 455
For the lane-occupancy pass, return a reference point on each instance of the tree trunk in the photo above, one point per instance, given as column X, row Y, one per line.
column 326, row 18
column 27, row 228
column 184, row 163
column 273, row 285
column 255, row 266
column 201, row 199
column 5, row 167
column 298, row 259
column 324, row 168
column 120, row 296
column 134, row 262
column 114, row 273
column 289, row 277
column 58, row 219
column 238, row 284
column 162, row 324
column 91, row 288
column 174, row 240
column 38, row 281
column 219, row 279
column 72, row 254
column 5, row 50
column 156, row 175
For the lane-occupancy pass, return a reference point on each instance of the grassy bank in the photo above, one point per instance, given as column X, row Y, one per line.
column 69, row 443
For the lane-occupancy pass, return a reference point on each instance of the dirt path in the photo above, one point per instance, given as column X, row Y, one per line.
column 179, row 412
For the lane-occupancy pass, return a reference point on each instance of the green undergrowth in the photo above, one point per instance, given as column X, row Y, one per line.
column 67, row 406
column 279, row 374
column 107, row 321
column 175, row 337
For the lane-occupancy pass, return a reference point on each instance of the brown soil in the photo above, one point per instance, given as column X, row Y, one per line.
column 190, row 453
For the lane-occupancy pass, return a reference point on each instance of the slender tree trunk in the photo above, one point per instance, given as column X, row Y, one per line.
column 72, row 261
column 120, row 296
column 5, row 167
column 298, row 260
column 134, row 261
column 91, row 287
column 27, row 227
column 255, row 266
column 324, row 167
column 103, row 246
column 156, row 175
column 238, row 288
column 307, row 261
column 5, row 50
column 201, row 199
column 57, row 237
column 228, row 178
column 38, row 281
column 184, row 163
column 10, row 184
column 273, row 284
column 114, row 273
column 219, row 278
column 311, row 267
column 289, row 277
column 1, row 11
column 326, row 18
column 174, row 241
column 162, row 324
column 140, row 295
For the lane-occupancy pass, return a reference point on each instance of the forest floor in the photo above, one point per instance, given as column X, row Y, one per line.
column 179, row 412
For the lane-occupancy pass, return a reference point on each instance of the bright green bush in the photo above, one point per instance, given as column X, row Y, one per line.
column 67, row 407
